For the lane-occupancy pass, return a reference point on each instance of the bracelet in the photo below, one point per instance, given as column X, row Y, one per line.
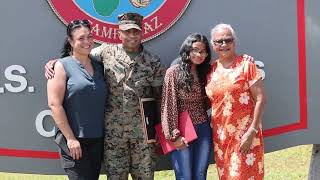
column 254, row 129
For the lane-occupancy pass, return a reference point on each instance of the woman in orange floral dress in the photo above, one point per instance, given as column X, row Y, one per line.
column 236, row 91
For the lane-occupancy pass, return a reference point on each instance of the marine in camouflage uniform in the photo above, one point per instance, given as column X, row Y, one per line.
column 129, row 77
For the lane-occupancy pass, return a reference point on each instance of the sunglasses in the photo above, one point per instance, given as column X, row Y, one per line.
column 223, row 41
column 80, row 22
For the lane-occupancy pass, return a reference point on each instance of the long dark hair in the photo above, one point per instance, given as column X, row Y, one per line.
column 185, row 77
column 73, row 25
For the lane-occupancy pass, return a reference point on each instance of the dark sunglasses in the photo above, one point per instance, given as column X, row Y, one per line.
column 80, row 22
column 223, row 41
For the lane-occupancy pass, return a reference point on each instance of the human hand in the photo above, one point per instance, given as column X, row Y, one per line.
column 246, row 141
column 49, row 69
column 247, row 57
column 180, row 143
column 75, row 148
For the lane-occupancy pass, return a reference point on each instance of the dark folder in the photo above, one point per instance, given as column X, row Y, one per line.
column 150, row 113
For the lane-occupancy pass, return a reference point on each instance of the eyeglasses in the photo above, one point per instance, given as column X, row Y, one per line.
column 220, row 42
column 199, row 52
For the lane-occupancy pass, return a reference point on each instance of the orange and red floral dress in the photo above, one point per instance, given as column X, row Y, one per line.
column 232, row 115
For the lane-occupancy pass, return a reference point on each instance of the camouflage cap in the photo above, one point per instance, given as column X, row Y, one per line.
column 129, row 21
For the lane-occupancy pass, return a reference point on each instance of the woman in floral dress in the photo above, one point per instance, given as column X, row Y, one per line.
column 235, row 89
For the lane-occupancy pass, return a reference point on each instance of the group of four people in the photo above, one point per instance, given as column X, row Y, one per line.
column 94, row 97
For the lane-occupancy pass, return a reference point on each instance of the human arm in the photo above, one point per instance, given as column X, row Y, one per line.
column 258, row 93
column 96, row 53
column 56, row 89
column 169, row 109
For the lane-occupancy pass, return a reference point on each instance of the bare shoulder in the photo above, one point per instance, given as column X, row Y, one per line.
column 58, row 65
column 59, row 70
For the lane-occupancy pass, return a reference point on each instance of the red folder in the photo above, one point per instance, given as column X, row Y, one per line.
column 186, row 130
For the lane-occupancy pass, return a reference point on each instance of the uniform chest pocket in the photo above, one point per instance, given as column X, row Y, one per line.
column 116, row 72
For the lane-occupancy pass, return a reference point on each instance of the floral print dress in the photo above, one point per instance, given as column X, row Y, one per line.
column 232, row 115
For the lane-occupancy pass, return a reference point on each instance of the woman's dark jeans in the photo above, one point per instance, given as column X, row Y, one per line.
column 192, row 162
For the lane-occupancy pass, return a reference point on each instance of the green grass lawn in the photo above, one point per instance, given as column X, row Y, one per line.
column 288, row 164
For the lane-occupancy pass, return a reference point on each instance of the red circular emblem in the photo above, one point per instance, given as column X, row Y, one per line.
column 158, row 17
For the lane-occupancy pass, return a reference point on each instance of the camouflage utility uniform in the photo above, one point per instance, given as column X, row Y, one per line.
column 129, row 79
